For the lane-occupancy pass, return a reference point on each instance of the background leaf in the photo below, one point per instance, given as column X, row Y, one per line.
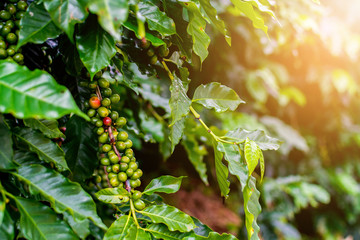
column 119, row 228
column 38, row 221
column 95, row 46
column 6, row 150
column 161, row 231
column 156, row 42
column 33, row 94
column 216, row 96
column 80, row 148
column 222, row 172
column 63, row 194
column 176, row 133
column 164, row 184
column 48, row 127
column 46, row 149
column 252, row 155
column 7, row 229
column 36, row 26
column 170, row 216
column 179, row 101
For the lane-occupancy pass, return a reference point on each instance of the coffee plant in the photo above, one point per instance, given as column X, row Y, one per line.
column 83, row 84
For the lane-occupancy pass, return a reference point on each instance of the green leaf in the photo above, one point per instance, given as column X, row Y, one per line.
column 119, row 229
column 161, row 231
column 196, row 28
column 2, row 204
column 111, row 14
column 176, row 133
column 137, row 233
column 164, row 184
column 33, row 94
column 222, row 172
column 95, row 46
column 48, row 127
column 252, row 154
column 196, row 155
column 62, row 194
column 80, row 148
column 6, row 150
column 36, row 26
column 81, row 228
column 65, row 14
column 170, row 216
column 156, row 42
column 179, row 101
column 213, row 236
column 262, row 164
column 38, row 221
column 217, row 96
column 46, row 149
column 259, row 137
column 156, row 19
column 7, row 229
column 215, row 20
column 112, row 195
column 248, row 9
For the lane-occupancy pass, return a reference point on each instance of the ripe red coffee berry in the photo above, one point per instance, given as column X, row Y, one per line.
column 107, row 121
column 95, row 102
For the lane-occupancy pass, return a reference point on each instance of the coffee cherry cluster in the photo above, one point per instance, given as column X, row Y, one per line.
column 10, row 14
column 155, row 53
column 118, row 165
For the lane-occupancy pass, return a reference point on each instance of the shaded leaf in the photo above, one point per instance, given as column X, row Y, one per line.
column 112, row 195
column 164, row 184
column 46, row 149
column 62, row 194
column 95, row 46
column 48, row 127
column 33, row 94
column 81, row 228
column 252, row 155
column 176, row 133
column 217, row 96
column 222, row 172
column 6, row 150
column 136, row 233
column 196, row 155
column 170, row 216
column 196, row 28
column 213, row 236
column 38, row 221
column 156, row 19
column 7, row 229
column 179, row 101
column 111, row 14
column 65, row 14
column 80, row 148
column 161, row 231
column 119, row 229
column 215, row 20
column 148, row 36
column 259, row 137
column 36, row 26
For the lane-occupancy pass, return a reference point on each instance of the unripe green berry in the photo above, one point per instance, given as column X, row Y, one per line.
column 125, row 159
column 107, row 92
column 106, row 148
column 136, row 195
column 91, row 112
column 103, row 112
column 108, row 168
column 120, row 146
column 103, row 83
column 99, row 123
column 128, row 143
column 105, row 161
column 122, row 136
column 116, row 168
column 115, row 98
column 106, row 102
column 123, row 166
column 129, row 172
column 114, row 182
column 129, row 153
column 139, row 204
column 100, row 131
column 113, row 158
column 133, row 165
column 122, row 176
column 121, row 121
column 104, row 138
column 112, row 175
column 114, row 115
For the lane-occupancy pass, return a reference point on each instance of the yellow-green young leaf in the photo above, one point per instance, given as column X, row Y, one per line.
column 95, row 46
column 179, row 101
column 36, row 26
column 164, row 184
column 215, row 19
column 38, row 221
column 111, row 14
column 65, row 14
column 120, row 228
column 46, row 149
column 33, row 94
column 6, row 150
column 248, row 9
column 170, row 216
column 252, row 208
column 137, row 233
column 252, row 155
column 216, row 96
column 196, row 28
column 222, row 172
column 112, row 195
column 62, row 194
column 148, row 36
column 48, row 127
column 156, row 19
column 161, row 231
column 262, row 164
